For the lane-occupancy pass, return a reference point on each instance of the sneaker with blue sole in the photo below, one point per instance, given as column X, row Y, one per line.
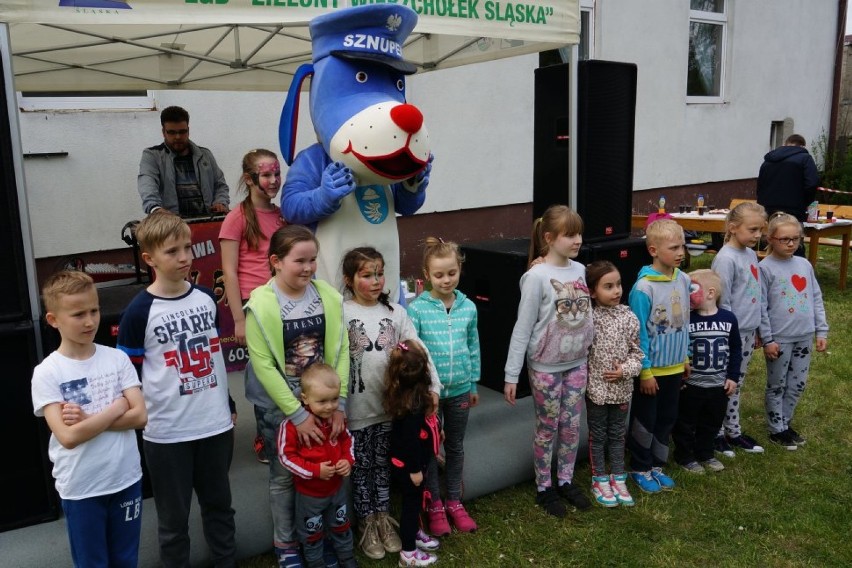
column 288, row 557
column 666, row 482
column 645, row 481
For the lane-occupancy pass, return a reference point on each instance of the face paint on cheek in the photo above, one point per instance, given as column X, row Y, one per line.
column 266, row 168
column 696, row 295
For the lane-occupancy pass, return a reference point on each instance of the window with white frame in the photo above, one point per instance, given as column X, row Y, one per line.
column 103, row 100
column 705, row 66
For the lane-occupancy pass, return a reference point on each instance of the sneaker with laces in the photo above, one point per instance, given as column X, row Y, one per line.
column 795, row 436
column 784, row 440
column 713, row 465
column 602, row 491
column 745, row 443
column 260, row 449
column 460, row 518
column 370, row 544
column 426, row 542
column 550, row 502
column 618, row 482
column 416, row 558
column 575, row 496
column 693, row 467
column 288, row 556
column 666, row 482
column 329, row 556
column 438, row 524
column 387, row 534
column 645, row 481
column 722, row 446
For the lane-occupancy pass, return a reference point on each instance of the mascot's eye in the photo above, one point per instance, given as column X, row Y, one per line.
column 400, row 85
column 361, row 77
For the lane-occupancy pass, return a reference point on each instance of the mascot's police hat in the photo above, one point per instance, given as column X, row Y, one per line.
column 375, row 34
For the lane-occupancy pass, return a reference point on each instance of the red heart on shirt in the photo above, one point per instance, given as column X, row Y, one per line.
column 799, row 282
column 754, row 271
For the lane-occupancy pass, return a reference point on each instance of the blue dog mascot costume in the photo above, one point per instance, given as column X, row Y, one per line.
column 372, row 160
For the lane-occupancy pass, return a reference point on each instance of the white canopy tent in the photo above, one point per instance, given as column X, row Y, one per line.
column 252, row 45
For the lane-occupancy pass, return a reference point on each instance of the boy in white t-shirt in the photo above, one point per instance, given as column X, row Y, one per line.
column 89, row 394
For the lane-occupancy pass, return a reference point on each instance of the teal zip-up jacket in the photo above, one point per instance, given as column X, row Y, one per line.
column 265, row 340
column 661, row 303
column 452, row 339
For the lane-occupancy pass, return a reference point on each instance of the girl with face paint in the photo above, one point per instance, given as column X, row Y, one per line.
column 244, row 241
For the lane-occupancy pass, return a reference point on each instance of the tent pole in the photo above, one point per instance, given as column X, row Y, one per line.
column 572, row 126
column 14, row 127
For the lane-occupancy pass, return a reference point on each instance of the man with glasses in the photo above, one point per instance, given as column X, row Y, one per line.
column 180, row 176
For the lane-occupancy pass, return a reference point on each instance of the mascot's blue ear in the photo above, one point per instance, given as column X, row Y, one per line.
column 290, row 113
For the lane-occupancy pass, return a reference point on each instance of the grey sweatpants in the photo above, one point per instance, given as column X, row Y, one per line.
column 786, row 377
column 607, row 428
column 317, row 517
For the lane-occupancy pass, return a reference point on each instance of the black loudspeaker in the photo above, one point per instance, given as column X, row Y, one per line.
column 628, row 255
column 606, row 111
column 14, row 293
column 26, row 484
column 491, row 279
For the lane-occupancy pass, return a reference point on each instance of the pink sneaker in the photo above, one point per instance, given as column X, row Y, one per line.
column 438, row 524
column 461, row 520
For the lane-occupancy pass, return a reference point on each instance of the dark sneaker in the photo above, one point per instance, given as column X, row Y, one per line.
column 796, row 437
column 722, row 446
column 745, row 443
column 575, row 496
column 784, row 440
column 550, row 502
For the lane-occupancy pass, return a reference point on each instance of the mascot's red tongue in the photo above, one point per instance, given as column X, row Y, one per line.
column 399, row 165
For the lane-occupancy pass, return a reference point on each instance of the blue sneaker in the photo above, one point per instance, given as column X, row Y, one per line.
column 666, row 482
column 645, row 481
column 288, row 557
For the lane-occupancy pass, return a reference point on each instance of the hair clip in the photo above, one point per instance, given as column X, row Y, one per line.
column 402, row 346
column 441, row 241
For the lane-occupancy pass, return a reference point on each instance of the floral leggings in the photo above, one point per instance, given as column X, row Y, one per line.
column 558, row 401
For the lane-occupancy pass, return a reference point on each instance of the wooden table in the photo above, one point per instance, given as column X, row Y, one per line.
column 814, row 231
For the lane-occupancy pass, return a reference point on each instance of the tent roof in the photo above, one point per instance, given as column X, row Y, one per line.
column 251, row 45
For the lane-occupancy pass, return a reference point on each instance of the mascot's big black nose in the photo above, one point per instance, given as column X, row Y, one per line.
column 407, row 117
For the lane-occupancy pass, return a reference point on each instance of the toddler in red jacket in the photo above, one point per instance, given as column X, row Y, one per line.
column 319, row 463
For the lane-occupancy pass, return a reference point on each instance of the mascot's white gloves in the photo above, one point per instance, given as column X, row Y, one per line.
column 420, row 182
column 338, row 181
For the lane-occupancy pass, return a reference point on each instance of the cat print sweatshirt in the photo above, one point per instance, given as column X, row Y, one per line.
column 554, row 328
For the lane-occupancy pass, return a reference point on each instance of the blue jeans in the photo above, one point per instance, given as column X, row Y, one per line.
column 282, row 496
column 453, row 412
column 104, row 530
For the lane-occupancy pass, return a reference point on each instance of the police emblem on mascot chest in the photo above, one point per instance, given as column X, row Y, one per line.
column 372, row 203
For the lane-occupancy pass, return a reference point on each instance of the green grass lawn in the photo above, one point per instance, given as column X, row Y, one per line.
column 774, row 509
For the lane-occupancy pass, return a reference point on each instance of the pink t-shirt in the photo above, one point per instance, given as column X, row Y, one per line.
column 253, row 265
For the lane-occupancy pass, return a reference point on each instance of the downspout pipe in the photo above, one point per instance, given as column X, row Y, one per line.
column 835, row 87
